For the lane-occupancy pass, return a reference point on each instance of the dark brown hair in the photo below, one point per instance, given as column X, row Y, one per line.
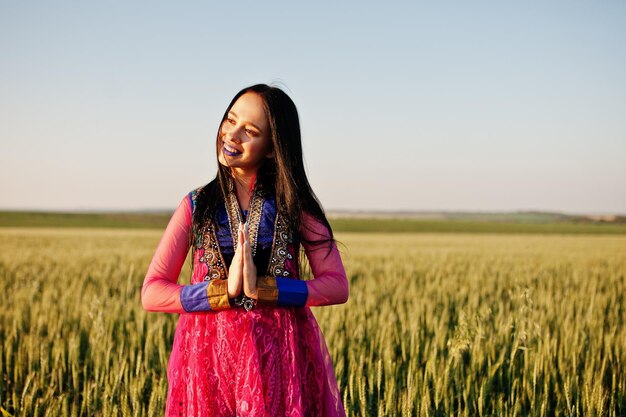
column 283, row 175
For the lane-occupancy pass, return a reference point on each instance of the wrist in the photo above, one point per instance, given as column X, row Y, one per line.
column 252, row 294
column 234, row 291
column 247, row 303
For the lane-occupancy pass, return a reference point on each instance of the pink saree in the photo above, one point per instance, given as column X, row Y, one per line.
column 268, row 362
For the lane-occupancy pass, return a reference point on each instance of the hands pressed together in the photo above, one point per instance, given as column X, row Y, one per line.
column 242, row 271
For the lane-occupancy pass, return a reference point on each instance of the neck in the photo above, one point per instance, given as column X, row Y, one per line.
column 244, row 180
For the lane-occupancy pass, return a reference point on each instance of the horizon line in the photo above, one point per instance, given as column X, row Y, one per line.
column 327, row 211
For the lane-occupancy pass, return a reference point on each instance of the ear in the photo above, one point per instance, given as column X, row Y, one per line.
column 270, row 154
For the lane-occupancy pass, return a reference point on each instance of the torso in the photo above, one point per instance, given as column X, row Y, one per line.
column 274, row 246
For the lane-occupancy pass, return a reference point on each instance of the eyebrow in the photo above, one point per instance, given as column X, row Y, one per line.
column 235, row 114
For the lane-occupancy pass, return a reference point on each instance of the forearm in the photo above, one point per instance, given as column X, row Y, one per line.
column 164, row 296
column 329, row 284
column 281, row 292
column 158, row 295
column 160, row 291
column 329, row 289
column 205, row 296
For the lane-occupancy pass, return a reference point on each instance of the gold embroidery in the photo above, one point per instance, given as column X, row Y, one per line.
column 217, row 293
column 234, row 217
column 267, row 290
column 212, row 255
column 207, row 240
column 254, row 220
column 254, row 217
column 279, row 253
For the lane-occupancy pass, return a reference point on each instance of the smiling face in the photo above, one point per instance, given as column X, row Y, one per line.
column 244, row 138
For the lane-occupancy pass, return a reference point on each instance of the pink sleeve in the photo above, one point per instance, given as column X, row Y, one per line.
column 329, row 284
column 160, row 291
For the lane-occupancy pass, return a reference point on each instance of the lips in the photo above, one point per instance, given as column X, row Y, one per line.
column 230, row 151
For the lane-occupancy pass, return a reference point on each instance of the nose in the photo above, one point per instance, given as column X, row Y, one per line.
column 229, row 138
column 232, row 136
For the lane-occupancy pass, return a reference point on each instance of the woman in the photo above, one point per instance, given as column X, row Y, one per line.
column 246, row 342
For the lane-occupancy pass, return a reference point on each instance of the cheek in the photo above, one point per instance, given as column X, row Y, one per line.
column 220, row 154
column 265, row 145
column 260, row 150
column 225, row 127
column 221, row 159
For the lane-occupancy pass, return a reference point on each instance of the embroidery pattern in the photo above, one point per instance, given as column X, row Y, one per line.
column 254, row 218
column 212, row 256
column 280, row 252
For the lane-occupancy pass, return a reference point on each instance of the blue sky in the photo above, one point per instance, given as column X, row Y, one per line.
column 481, row 106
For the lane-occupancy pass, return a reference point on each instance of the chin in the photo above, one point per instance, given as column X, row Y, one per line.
column 222, row 159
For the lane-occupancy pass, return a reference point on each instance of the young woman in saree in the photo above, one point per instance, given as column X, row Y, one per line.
column 246, row 342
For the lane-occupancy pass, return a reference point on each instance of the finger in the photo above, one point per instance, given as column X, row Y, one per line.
column 245, row 247
column 237, row 257
column 246, row 266
column 239, row 234
column 243, row 232
column 249, row 272
column 248, row 262
column 247, row 252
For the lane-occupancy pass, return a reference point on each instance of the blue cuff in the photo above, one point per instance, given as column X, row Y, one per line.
column 194, row 297
column 291, row 292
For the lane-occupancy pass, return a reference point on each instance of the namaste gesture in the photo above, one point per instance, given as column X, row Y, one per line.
column 242, row 271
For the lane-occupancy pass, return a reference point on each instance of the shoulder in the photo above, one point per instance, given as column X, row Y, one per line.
column 192, row 197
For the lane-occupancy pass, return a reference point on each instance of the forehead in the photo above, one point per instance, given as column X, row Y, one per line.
column 249, row 108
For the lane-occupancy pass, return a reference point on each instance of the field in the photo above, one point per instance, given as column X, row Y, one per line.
column 439, row 223
column 437, row 324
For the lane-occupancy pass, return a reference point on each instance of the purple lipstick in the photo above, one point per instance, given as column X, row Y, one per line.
column 230, row 151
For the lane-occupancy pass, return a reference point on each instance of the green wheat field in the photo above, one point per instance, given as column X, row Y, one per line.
column 438, row 324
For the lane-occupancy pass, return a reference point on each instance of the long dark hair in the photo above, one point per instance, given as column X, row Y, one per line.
column 283, row 175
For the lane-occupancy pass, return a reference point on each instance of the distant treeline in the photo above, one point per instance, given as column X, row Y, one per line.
column 483, row 224
column 56, row 219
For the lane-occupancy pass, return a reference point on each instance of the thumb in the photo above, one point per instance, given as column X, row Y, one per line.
column 241, row 234
column 239, row 246
column 244, row 248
